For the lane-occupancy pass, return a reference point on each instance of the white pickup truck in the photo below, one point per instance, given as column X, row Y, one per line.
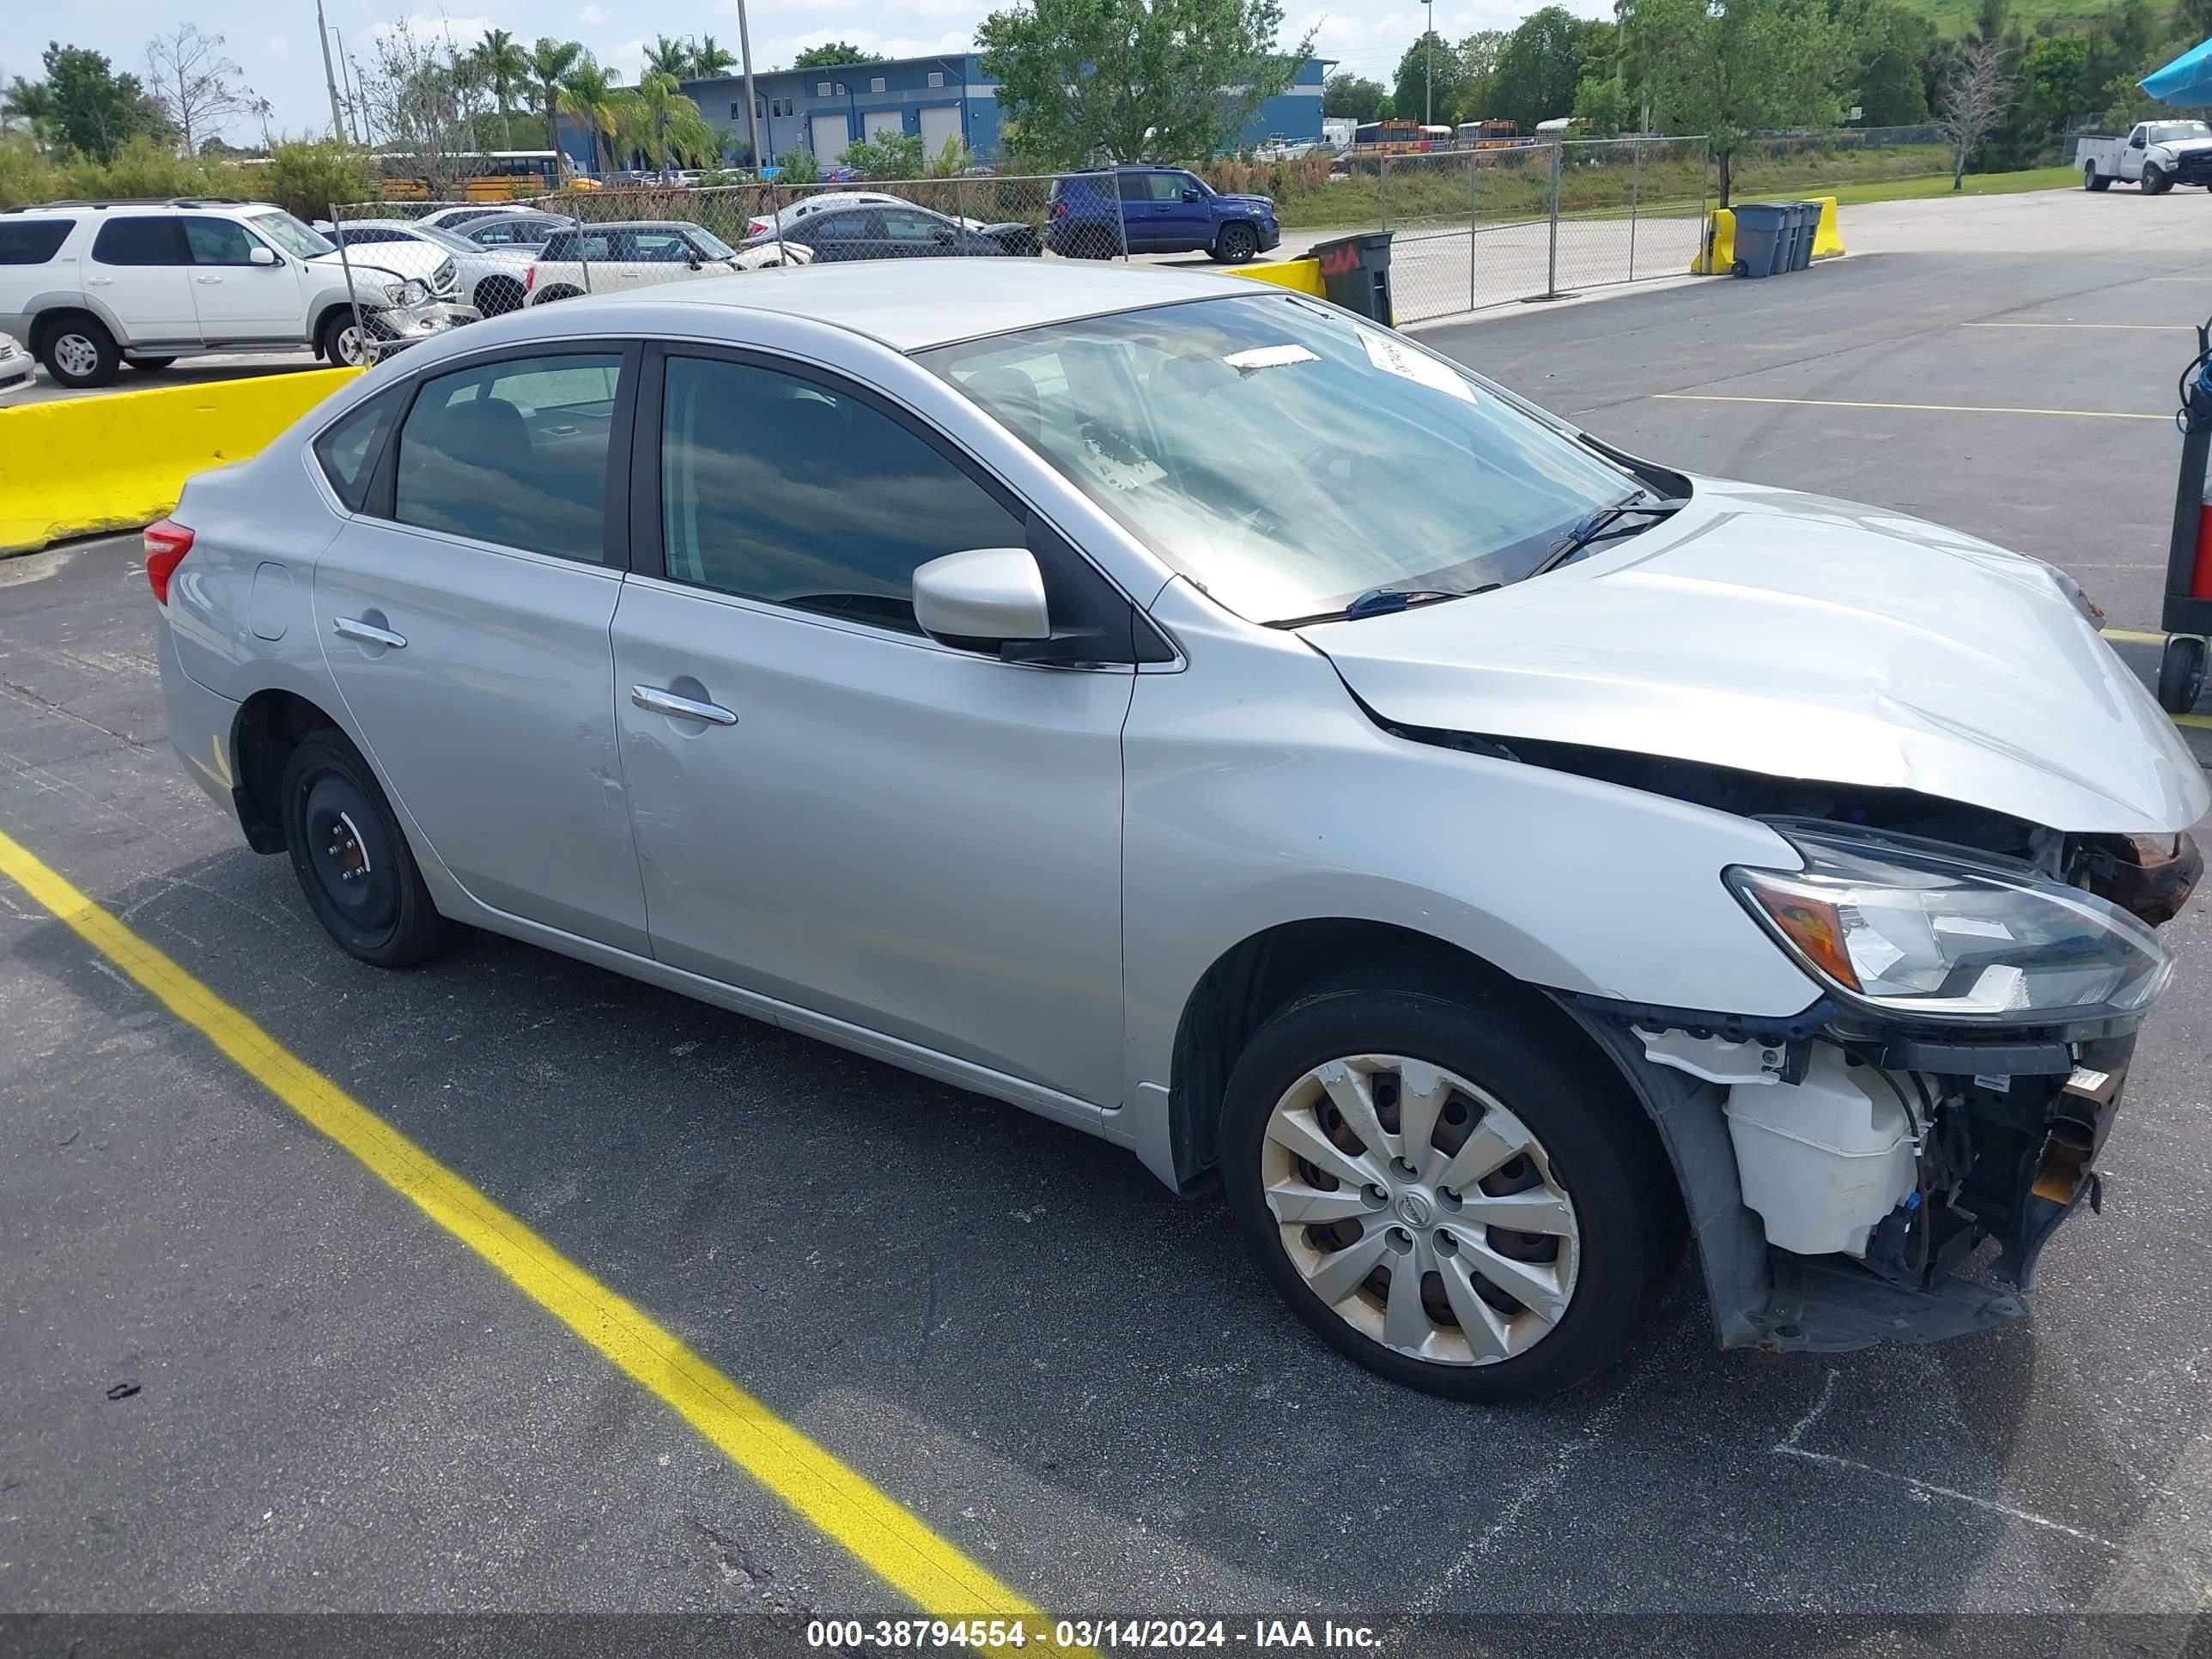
column 2157, row 155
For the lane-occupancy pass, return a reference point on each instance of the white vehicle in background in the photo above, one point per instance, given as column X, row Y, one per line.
column 490, row 279
column 15, row 366
column 2156, row 156
column 610, row 258
column 90, row 285
column 794, row 213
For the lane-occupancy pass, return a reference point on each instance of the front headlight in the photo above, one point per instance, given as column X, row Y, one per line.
column 412, row 292
column 1915, row 930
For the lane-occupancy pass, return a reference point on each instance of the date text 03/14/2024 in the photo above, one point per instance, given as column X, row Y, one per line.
column 1069, row 1633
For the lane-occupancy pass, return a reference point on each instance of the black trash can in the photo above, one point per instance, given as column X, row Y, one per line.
column 1356, row 272
column 1808, row 228
column 1762, row 238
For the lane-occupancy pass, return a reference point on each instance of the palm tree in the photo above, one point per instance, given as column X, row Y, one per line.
column 710, row 60
column 670, row 58
column 589, row 93
column 665, row 122
column 550, row 61
column 505, row 69
column 33, row 104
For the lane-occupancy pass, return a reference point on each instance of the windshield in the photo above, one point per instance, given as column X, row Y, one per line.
column 1287, row 457
column 288, row 234
column 2170, row 132
column 446, row 239
column 715, row 248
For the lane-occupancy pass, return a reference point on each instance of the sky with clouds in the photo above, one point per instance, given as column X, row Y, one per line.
column 273, row 41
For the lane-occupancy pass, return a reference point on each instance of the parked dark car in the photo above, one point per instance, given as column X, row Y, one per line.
column 1161, row 210
column 901, row 233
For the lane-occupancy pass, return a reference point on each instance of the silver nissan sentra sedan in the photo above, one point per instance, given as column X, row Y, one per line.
column 1197, row 714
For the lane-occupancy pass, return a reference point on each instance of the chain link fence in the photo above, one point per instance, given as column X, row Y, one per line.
column 1475, row 228
column 479, row 260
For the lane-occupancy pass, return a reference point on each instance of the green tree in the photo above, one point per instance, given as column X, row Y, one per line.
column 798, row 166
column 1430, row 81
column 1603, row 102
column 710, row 60
column 1539, row 67
column 550, row 61
column 885, row 156
column 95, row 109
column 590, row 95
column 830, row 55
column 1353, row 97
column 307, row 178
column 1729, row 68
column 1889, row 43
column 506, row 71
column 1133, row 80
column 30, row 105
column 1478, row 71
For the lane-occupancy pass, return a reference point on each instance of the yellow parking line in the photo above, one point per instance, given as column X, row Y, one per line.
column 2133, row 636
column 877, row 1530
column 2203, row 722
column 2146, row 328
column 1936, row 408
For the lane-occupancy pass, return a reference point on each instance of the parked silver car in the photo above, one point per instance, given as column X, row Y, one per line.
column 1191, row 713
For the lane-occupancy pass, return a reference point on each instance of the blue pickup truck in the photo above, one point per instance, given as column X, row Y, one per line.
column 1161, row 210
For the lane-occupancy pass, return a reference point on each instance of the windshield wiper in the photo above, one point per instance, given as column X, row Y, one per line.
column 1383, row 602
column 1604, row 523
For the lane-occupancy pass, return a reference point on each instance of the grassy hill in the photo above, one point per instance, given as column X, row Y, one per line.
column 1954, row 16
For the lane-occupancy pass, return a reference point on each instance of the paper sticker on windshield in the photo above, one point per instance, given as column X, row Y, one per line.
column 1395, row 358
column 1274, row 356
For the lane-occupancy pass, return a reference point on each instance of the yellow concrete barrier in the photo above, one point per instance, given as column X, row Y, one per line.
column 119, row 459
column 1303, row 275
column 1717, row 253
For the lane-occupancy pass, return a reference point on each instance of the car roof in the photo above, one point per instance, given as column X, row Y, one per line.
column 636, row 224
column 913, row 304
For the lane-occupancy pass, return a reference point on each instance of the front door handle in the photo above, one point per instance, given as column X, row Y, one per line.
column 654, row 701
column 207, row 282
column 347, row 627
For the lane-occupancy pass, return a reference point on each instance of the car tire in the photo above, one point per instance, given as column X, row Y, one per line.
column 2181, row 674
column 149, row 365
column 342, row 343
column 1613, row 1242
column 495, row 296
column 2092, row 179
column 1234, row 245
column 546, row 296
column 77, row 351
column 352, row 856
column 2154, row 182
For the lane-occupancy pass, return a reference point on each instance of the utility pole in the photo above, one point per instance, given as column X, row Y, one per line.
column 330, row 79
column 752, row 114
column 345, row 80
column 1428, row 66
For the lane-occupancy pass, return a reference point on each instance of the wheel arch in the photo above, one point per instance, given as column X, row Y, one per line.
column 268, row 727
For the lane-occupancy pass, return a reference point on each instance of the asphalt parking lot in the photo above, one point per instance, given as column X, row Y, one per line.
column 248, row 1375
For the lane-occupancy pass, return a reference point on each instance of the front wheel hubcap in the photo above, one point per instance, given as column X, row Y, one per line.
column 346, row 849
column 1425, row 1213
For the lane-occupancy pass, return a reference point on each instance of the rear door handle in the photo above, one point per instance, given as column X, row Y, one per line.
column 347, row 627
column 654, row 701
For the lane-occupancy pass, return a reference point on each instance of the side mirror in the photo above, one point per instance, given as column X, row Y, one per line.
column 1190, row 192
column 981, row 599
column 258, row 255
column 943, row 236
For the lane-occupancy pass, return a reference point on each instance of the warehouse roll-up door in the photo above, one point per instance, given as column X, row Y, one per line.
column 878, row 122
column 828, row 135
column 937, row 126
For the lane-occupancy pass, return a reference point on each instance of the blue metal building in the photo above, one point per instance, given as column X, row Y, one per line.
column 939, row 98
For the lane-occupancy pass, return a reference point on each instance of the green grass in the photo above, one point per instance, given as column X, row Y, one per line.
column 1976, row 183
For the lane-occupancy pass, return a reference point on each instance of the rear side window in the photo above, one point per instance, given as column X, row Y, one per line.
column 514, row 452
column 778, row 488
column 348, row 451
column 139, row 242
column 31, row 241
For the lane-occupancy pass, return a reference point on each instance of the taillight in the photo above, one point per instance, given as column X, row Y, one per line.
column 166, row 544
column 1060, row 208
column 757, row 226
column 530, row 279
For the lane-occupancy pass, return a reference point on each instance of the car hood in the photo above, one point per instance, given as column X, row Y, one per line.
column 1801, row 637
column 1265, row 202
column 2183, row 146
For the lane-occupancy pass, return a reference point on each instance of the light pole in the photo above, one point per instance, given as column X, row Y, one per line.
column 329, row 80
column 1429, row 66
column 752, row 116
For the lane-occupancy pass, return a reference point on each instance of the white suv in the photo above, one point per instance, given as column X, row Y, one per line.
column 90, row 285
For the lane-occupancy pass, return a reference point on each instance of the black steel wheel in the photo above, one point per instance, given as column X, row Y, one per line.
column 2181, row 673
column 352, row 858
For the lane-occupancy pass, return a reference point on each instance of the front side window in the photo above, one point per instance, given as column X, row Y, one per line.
column 514, row 452
column 300, row 240
column 139, row 242
column 911, row 227
column 347, row 453
column 1166, row 186
column 856, row 225
column 775, row 487
column 31, row 241
column 1286, row 457
column 219, row 242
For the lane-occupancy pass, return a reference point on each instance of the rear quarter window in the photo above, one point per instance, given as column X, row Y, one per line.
column 348, row 451
column 32, row 241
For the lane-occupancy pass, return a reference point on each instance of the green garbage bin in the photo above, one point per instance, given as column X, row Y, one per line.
column 1762, row 237
column 1355, row 270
